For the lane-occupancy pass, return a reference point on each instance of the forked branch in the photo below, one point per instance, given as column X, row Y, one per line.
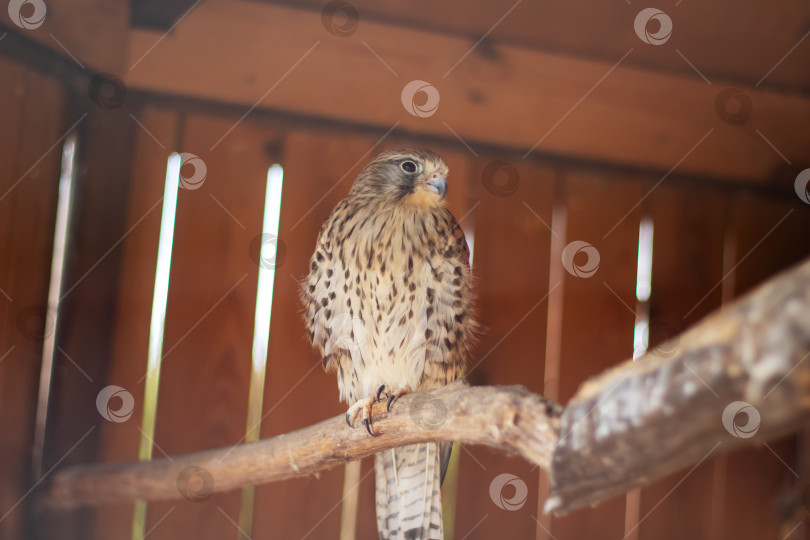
column 737, row 378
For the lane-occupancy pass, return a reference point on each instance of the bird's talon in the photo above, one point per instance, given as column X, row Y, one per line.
column 368, row 427
column 348, row 420
column 390, row 401
column 380, row 391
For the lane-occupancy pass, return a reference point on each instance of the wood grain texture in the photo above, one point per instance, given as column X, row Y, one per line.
column 510, row 264
column 684, row 269
column 94, row 32
column 761, row 495
column 207, row 348
column 753, row 351
column 120, row 441
column 598, row 311
column 318, row 171
column 651, row 417
column 509, row 418
column 739, row 50
column 33, row 108
column 500, row 95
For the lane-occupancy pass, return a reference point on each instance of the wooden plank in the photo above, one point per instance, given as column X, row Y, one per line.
column 318, row 171
column 760, row 35
column 598, row 311
column 92, row 33
column 120, row 441
column 206, row 366
column 689, row 223
column 511, row 200
column 503, row 95
column 768, row 235
column 89, row 294
column 32, row 108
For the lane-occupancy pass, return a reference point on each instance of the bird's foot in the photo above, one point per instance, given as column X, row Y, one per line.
column 392, row 396
column 361, row 407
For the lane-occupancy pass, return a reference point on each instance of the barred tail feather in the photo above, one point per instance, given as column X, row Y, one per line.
column 409, row 504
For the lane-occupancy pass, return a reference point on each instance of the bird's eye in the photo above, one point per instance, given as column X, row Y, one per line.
column 408, row 166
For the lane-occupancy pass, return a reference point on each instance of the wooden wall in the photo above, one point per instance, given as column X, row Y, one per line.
column 544, row 327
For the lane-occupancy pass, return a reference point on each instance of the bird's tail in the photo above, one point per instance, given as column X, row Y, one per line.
column 409, row 504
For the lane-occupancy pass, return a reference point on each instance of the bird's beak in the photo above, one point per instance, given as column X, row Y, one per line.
column 438, row 184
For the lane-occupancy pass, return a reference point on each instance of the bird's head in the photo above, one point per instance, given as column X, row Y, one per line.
column 409, row 176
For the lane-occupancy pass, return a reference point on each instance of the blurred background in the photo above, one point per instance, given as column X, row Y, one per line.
column 619, row 171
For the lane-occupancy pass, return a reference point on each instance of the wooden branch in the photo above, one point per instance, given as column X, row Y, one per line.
column 744, row 370
column 508, row 418
column 739, row 377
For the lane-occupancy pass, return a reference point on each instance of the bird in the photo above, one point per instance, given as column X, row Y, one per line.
column 389, row 305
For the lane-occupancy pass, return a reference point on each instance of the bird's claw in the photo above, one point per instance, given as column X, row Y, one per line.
column 363, row 408
column 367, row 423
column 396, row 395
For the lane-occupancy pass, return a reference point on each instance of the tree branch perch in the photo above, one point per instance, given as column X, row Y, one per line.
column 670, row 409
column 508, row 418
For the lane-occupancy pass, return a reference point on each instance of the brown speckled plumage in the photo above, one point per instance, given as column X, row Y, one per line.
column 388, row 301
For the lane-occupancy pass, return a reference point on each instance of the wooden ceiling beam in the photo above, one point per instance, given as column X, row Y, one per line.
column 93, row 34
column 274, row 57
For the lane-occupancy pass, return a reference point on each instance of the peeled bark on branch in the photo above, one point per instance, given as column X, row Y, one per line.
column 737, row 378
column 508, row 418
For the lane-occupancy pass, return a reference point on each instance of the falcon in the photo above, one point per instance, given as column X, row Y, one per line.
column 388, row 305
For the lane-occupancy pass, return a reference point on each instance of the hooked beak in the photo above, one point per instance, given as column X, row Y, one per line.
column 438, row 184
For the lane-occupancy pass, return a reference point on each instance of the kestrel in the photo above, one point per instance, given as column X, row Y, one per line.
column 388, row 304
